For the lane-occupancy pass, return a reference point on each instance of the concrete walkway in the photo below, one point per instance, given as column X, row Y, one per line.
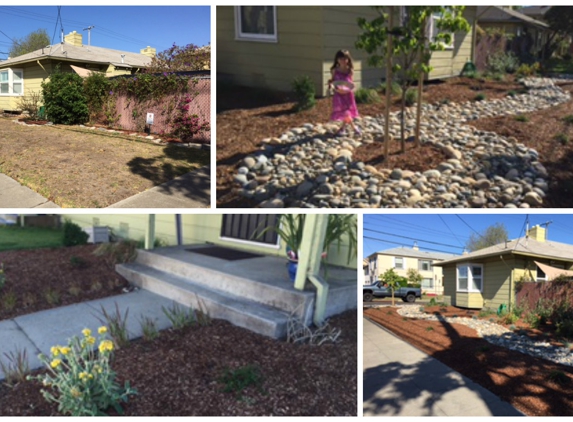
column 400, row 380
column 36, row 333
column 192, row 190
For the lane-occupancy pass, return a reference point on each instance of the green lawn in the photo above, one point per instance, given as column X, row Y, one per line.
column 29, row 238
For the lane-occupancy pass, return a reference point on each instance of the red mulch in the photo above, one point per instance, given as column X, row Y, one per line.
column 179, row 374
column 528, row 383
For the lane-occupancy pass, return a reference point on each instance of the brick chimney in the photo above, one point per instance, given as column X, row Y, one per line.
column 74, row 38
column 537, row 233
column 149, row 51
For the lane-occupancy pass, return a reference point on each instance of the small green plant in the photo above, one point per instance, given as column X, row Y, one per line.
column 411, row 97
column 562, row 138
column 521, row 118
column 304, row 92
column 492, row 320
column 367, row 96
column 77, row 261
column 16, row 368
column 388, row 312
column 559, row 377
column 511, row 93
column 80, row 379
column 29, row 299
column 74, row 235
column 480, row 97
column 179, row 316
column 485, row 313
column 2, row 276
column 117, row 324
column 404, row 319
column 430, row 328
column 75, row 290
column 395, row 90
column 512, row 327
column 502, row 62
column 497, row 76
column 52, row 296
column 236, row 381
column 118, row 252
column 565, row 328
column 474, row 317
column 432, row 302
column 509, row 319
column 9, row 301
column 148, row 328
column 568, row 119
column 421, row 309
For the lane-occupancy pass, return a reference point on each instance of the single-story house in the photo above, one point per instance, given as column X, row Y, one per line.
column 214, row 261
column 402, row 259
column 269, row 46
column 22, row 75
column 535, row 12
column 487, row 278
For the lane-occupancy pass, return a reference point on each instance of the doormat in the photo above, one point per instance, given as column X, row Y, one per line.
column 224, row 253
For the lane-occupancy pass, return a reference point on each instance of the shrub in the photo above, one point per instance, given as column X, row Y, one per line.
column 432, row 302
column 521, row 118
column 186, row 126
column 304, row 92
column 30, row 104
column 179, row 316
column 568, row 119
column 16, row 367
column 559, row 377
column 528, row 70
column 64, row 98
column 9, row 301
column 367, row 96
column 117, row 253
column 96, row 91
column 74, row 235
column 509, row 319
column 480, row 97
column 395, row 88
column 117, row 325
column 81, row 380
column 565, row 328
column 239, row 379
column 148, row 328
column 497, row 76
column 411, row 97
column 502, row 62
column 562, row 138
column 511, row 93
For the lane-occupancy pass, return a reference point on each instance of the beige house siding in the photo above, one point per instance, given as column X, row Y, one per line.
column 196, row 228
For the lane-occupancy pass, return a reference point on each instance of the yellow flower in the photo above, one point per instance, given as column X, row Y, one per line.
column 98, row 368
column 75, row 392
column 102, row 330
column 55, row 350
column 83, row 375
column 105, row 346
column 55, row 363
column 87, row 332
column 90, row 340
column 64, row 350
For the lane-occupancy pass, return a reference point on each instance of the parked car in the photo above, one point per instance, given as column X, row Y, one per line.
column 407, row 294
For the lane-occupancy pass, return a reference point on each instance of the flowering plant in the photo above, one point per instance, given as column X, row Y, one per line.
column 80, row 377
column 185, row 125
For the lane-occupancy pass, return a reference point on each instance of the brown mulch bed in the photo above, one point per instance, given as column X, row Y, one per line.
column 180, row 372
column 46, row 278
column 241, row 127
column 80, row 168
column 415, row 159
column 530, row 384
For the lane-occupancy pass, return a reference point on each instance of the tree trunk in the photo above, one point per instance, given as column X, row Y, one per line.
column 419, row 107
column 402, row 118
column 388, row 86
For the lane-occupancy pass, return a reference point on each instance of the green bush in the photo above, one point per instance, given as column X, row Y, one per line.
column 511, row 93
column 367, row 96
column 64, row 98
column 304, row 92
column 74, row 235
column 502, row 62
column 522, row 118
column 568, row 119
column 480, row 97
column 396, row 89
column 96, row 91
column 562, row 138
column 411, row 97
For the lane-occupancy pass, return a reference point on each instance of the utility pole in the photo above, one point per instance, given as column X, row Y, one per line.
column 89, row 29
column 547, row 228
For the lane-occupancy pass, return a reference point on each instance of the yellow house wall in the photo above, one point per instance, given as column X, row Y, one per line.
column 196, row 228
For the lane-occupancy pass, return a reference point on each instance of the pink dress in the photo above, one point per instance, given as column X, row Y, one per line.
column 343, row 105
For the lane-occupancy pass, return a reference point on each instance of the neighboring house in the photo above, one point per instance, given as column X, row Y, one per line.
column 402, row 259
column 535, row 12
column 486, row 278
column 22, row 75
column 253, row 291
column 513, row 23
column 269, row 46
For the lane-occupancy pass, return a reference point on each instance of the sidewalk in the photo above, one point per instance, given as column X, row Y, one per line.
column 36, row 333
column 400, row 380
column 192, row 190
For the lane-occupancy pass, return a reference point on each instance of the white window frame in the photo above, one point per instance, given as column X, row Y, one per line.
column 422, row 261
column 403, row 262
column 249, row 36
column 433, row 19
column 471, row 277
column 431, row 285
column 10, row 82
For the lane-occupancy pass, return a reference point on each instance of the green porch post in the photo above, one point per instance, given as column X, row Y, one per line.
column 150, row 232
column 310, row 255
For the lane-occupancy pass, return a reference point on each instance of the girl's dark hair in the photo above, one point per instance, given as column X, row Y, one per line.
column 345, row 54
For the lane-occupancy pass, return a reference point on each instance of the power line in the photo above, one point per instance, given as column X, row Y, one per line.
column 412, row 238
column 397, row 243
column 410, row 226
column 446, row 224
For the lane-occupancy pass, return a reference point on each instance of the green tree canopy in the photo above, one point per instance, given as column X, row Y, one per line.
column 181, row 59
column 414, row 276
column 31, row 42
column 493, row 235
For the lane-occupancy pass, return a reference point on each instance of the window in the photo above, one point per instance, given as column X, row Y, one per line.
column 470, row 278
column 425, row 265
column 428, row 283
column 434, row 31
column 11, row 82
column 399, row 262
column 256, row 23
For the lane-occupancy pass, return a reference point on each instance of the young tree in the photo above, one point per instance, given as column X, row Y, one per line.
column 413, row 276
column 560, row 20
column 492, row 235
column 181, row 59
column 31, row 42
column 392, row 280
column 411, row 45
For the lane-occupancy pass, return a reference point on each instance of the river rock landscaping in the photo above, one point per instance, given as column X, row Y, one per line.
column 308, row 166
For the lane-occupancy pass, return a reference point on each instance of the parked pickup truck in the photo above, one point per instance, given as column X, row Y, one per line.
column 407, row 294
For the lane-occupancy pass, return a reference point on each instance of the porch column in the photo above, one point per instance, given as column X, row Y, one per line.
column 150, row 232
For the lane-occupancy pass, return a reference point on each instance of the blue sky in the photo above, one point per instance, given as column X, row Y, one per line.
column 126, row 28
column 449, row 232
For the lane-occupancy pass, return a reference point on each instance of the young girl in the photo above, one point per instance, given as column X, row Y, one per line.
column 343, row 103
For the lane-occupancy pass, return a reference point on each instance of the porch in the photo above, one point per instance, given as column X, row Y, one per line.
column 252, row 291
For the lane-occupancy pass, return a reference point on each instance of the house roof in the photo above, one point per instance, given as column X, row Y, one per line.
column 85, row 54
column 535, row 10
column 413, row 253
column 502, row 14
column 521, row 246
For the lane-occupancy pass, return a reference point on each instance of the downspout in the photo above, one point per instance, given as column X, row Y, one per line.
column 40, row 64
column 178, row 228
column 309, row 263
column 150, row 232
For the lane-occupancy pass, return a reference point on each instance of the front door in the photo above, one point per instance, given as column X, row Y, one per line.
column 250, row 228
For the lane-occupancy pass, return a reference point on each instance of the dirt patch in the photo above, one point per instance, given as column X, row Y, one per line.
column 78, row 168
column 180, row 372
column 414, row 159
column 535, row 386
column 41, row 279
column 245, row 119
